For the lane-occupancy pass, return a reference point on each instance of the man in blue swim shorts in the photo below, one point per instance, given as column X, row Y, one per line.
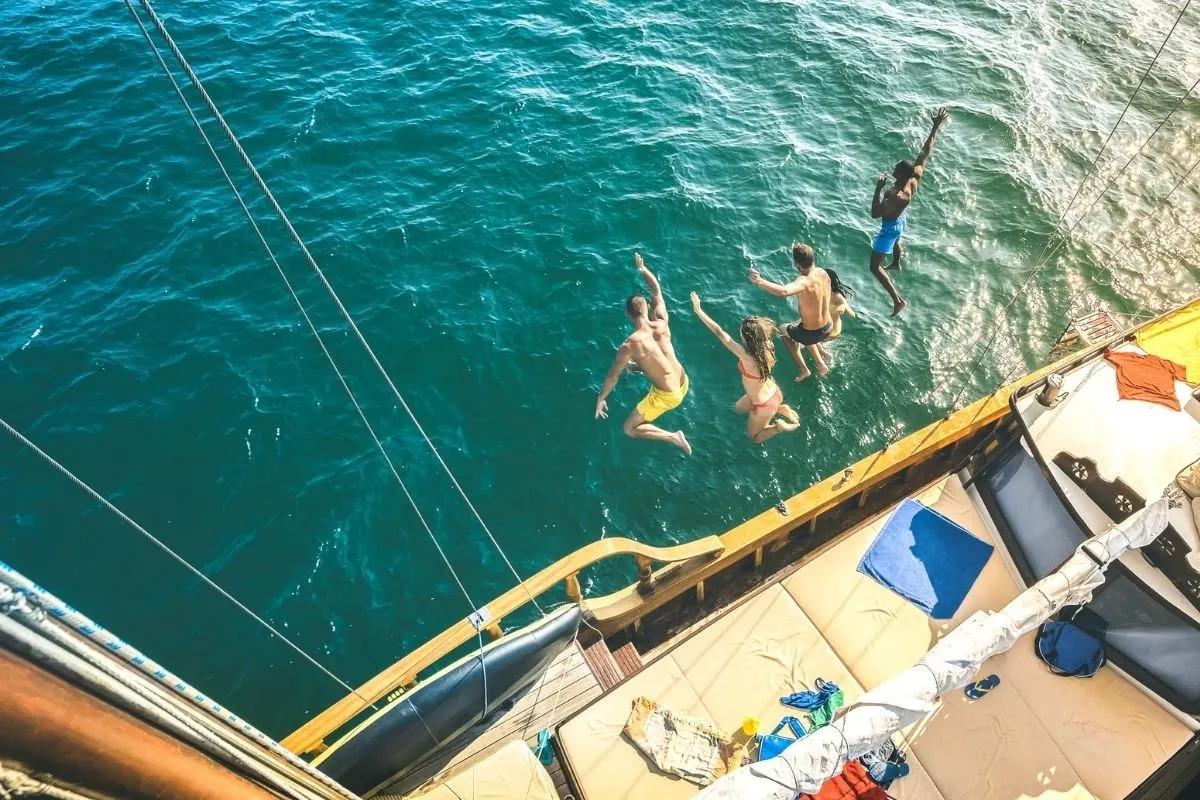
column 890, row 206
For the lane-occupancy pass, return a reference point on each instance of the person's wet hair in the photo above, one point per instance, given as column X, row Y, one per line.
column 803, row 256
column 758, row 335
column 903, row 171
column 636, row 306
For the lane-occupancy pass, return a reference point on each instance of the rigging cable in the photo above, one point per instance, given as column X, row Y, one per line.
column 1162, row 203
column 1112, row 132
column 262, row 184
column 1043, row 259
column 167, row 549
column 1121, row 171
column 312, row 327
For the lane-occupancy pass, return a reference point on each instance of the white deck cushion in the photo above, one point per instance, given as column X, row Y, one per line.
column 1053, row 736
column 1093, row 719
column 511, row 773
column 874, row 631
column 1035, row 736
column 758, row 652
column 606, row 765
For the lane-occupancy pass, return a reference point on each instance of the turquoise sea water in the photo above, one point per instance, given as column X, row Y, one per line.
column 474, row 178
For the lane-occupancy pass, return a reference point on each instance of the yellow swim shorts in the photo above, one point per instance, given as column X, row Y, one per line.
column 657, row 402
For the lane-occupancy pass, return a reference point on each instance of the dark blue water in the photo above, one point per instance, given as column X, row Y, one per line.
column 474, row 178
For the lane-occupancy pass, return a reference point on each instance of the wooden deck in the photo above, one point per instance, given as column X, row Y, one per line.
column 310, row 736
column 567, row 686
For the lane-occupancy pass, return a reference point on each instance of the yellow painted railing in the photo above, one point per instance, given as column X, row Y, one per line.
column 565, row 571
column 688, row 564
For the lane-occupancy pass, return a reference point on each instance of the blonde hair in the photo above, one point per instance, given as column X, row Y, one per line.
column 758, row 335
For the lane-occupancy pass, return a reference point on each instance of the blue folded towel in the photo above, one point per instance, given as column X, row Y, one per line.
column 926, row 558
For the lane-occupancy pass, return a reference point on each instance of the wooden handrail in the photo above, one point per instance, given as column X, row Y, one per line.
column 707, row 556
column 622, row 608
column 310, row 736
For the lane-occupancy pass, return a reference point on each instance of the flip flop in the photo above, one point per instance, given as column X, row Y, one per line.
column 977, row 690
column 887, row 771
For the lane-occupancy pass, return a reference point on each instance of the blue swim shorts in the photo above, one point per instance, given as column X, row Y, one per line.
column 889, row 233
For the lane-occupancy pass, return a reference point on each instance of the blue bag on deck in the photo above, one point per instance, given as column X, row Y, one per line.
column 1069, row 650
column 772, row 744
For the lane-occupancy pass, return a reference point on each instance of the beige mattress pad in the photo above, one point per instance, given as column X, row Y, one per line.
column 1035, row 736
column 511, row 773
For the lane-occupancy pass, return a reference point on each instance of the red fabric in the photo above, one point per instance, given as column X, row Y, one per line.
column 853, row 784
column 1148, row 378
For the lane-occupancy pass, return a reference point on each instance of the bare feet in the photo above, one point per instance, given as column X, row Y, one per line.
column 786, row 427
column 897, row 254
column 805, row 374
column 680, row 441
column 822, row 370
column 788, row 413
column 898, row 307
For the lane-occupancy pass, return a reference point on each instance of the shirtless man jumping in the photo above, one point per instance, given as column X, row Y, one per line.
column 649, row 348
column 890, row 208
column 812, row 291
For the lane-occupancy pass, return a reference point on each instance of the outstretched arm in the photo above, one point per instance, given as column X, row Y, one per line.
column 770, row 287
column 939, row 118
column 658, row 306
column 610, row 380
column 716, row 329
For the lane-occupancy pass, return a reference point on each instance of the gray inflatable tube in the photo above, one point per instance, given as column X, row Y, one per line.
column 396, row 738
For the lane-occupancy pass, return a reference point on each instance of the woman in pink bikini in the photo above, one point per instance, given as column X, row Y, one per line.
column 763, row 399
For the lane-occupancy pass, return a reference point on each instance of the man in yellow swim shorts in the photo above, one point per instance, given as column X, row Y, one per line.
column 649, row 348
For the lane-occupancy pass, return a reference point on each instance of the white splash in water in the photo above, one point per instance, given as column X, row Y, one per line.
column 36, row 334
column 249, row 453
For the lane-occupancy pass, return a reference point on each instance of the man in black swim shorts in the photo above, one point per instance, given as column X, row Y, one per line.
column 812, row 290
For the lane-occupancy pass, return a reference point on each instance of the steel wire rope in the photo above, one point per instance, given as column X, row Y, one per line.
column 1162, row 203
column 1111, row 133
column 1043, row 258
column 1065, row 237
column 312, row 327
column 262, row 184
column 167, row 549
column 1120, row 172
column 1133, row 320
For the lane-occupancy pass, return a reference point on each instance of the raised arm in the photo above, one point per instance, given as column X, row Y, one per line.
column 939, row 118
column 770, row 287
column 610, row 380
column 658, row 307
column 877, row 202
column 725, row 339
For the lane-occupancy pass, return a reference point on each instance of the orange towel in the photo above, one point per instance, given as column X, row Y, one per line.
column 1148, row 378
column 853, row 784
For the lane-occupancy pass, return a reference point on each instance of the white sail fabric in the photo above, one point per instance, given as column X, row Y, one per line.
column 951, row 663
